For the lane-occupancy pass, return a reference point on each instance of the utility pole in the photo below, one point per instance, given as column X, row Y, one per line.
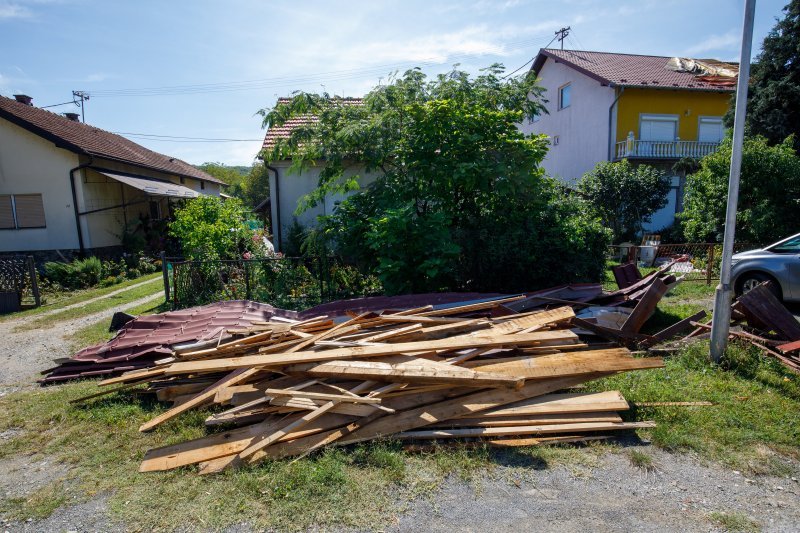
column 562, row 34
column 83, row 95
column 721, row 321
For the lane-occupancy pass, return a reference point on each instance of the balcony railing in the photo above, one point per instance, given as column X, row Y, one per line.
column 631, row 149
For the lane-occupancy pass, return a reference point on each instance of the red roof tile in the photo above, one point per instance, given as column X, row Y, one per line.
column 628, row 70
column 85, row 139
column 283, row 131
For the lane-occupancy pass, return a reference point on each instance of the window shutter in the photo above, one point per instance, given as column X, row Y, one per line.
column 30, row 210
column 6, row 212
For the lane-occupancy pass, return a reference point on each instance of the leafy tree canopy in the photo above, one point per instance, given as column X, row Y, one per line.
column 625, row 196
column 459, row 201
column 773, row 107
column 769, row 193
column 209, row 228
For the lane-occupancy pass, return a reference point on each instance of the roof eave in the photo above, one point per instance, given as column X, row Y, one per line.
column 544, row 54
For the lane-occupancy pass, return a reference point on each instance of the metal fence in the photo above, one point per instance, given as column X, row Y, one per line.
column 285, row 282
column 697, row 261
column 18, row 284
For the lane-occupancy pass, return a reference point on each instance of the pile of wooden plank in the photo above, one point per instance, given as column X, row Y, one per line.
column 289, row 387
column 759, row 318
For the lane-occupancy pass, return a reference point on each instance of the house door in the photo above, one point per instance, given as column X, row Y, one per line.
column 657, row 134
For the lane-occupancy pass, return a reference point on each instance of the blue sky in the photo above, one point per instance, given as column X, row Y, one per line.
column 238, row 56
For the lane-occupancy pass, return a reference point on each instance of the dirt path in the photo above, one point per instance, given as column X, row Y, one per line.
column 23, row 354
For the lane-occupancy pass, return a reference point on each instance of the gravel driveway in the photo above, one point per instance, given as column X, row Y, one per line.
column 24, row 354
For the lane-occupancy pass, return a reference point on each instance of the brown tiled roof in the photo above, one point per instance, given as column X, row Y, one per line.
column 85, row 139
column 282, row 132
column 628, row 70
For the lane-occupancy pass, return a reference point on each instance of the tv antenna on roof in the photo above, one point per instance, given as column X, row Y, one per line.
column 562, row 34
column 83, row 95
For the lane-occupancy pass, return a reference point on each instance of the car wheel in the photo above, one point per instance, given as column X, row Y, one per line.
column 750, row 280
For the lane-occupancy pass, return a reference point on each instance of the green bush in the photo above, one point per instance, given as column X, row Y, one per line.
column 769, row 194
column 90, row 272
column 209, row 228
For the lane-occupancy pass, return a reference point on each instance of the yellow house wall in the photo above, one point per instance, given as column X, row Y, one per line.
column 688, row 105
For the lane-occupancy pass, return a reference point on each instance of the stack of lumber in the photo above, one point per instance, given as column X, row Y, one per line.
column 289, row 388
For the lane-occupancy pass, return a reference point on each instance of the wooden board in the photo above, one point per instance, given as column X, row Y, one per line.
column 522, row 430
column 287, row 358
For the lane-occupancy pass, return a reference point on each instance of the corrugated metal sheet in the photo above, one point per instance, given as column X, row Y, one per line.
column 154, row 187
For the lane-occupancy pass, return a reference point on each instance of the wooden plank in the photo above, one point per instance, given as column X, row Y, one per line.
column 461, row 406
column 567, row 364
column 405, row 369
column 762, row 307
column 644, row 309
column 522, row 430
column 579, row 402
column 472, row 307
column 500, row 421
column 321, row 396
column 445, row 330
column 221, row 444
column 539, row 318
column 237, row 376
column 287, row 358
column 674, row 329
column 513, row 443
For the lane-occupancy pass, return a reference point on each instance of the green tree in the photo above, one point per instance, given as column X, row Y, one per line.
column 625, row 196
column 233, row 176
column 210, row 228
column 255, row 185
column 769, row 193
column 773, row 104
column 461, row 201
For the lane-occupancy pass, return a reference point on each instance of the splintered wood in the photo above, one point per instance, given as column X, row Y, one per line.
column 286, row 389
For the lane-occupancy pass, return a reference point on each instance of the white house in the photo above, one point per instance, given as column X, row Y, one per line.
column 649, row 109
column 68, row 186
column 286, row 189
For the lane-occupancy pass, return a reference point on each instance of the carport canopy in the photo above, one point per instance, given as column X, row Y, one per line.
column 154, row 187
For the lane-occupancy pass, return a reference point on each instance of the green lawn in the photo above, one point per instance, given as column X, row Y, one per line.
column 66, row 298
column 129, row 295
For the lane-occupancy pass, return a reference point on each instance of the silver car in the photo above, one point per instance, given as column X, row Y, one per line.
column 779, row 263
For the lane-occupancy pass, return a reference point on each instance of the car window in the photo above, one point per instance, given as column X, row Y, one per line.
column 789, row 247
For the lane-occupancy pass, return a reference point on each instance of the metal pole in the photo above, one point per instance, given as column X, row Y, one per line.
column 165, row 275
column 720, row 325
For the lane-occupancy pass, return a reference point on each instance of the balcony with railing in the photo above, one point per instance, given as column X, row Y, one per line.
column 635, row 149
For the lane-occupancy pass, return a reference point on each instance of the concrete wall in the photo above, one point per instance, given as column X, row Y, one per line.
column 581, row 128
column 32, row 165
column 291, row 188
column 689, row 106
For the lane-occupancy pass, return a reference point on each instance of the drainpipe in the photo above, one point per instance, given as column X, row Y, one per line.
column 75, row 202
column 611, row 142
column 279, row 243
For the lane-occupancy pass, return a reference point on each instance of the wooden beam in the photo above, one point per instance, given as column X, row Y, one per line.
column 522, row 430
column 644, row 309
column 287, row 358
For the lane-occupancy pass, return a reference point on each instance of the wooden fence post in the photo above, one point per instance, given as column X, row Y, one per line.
column 34, row 284
column 710, row 265
column 165, row 275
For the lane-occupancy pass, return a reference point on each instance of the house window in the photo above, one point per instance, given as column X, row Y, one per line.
column 565, row 96
column 21, row 211
column 202, row 185
column 710, row 130
column 183, row 180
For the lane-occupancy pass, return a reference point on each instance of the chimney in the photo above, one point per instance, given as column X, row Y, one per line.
column 24, row 99
column 74, row 117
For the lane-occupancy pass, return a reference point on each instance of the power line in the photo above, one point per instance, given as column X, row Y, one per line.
column 182, row 137
column 528, row 61
column 284, row 81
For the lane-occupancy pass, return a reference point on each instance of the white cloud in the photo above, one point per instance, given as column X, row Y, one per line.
column 715, row 43
column 13, row 11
